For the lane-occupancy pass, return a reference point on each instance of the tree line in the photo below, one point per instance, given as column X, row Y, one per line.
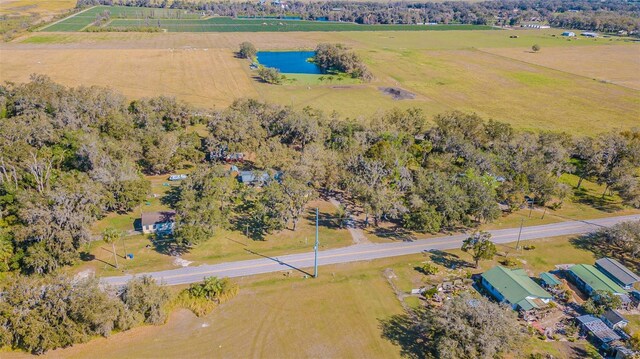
column 578, row 14
column 70, row 156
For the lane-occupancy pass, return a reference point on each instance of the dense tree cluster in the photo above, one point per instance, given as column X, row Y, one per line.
column 336, row 57
column 465, row 326
column 579, row 14
column 68, row 156
column 38, row 314
column 270, row 75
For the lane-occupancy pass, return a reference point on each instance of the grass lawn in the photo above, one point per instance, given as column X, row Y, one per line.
column 634, row 322
column 335, row 316
column 225, row 246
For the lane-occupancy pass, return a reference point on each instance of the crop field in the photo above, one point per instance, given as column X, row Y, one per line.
column 85, row 18
column 225, row 24
column 174, row 20
column 446, row 70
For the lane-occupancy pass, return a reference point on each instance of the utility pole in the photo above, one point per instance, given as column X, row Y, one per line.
column 123, row 246
column 519, row 233
column 315, row 248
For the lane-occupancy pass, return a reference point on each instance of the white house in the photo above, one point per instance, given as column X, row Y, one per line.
column 158, row 222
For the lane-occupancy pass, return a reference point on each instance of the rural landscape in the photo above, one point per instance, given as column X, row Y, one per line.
column 319, row 179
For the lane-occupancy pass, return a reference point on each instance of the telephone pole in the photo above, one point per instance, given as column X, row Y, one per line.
column 519, row 233
column 315, row 248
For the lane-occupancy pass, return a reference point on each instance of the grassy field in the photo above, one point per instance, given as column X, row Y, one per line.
column 446, row 70
column 338, row 315
column 40, row 7
column 621, row 69
column 173, row 20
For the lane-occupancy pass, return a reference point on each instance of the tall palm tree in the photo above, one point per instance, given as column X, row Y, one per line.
column 110, row 236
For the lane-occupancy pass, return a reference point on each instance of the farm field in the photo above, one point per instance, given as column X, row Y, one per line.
column 173, row 20
column 40, row 7
column 619, row 65
column 445, row 70
column 338, row 315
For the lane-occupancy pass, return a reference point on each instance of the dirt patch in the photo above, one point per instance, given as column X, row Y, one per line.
column 397, row 93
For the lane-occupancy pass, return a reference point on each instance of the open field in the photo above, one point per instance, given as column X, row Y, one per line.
column 445, row 70
column 40, row 7
column 337, row 315
column 173, row 20
column 619, row 65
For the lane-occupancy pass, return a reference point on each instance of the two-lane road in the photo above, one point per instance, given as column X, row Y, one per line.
column 362, row 252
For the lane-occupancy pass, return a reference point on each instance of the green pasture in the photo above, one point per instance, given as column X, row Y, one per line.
column 174, row 20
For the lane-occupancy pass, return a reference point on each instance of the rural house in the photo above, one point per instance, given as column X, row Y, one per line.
column 597, row 330
column 620, row 274
column 513, row 286
column 588, row 278
column 614, row 319
column 158, row 222
column 253, row 178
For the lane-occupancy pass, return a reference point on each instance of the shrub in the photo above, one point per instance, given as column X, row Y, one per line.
column 428, row 268
column 202, row 298
column 147, row 299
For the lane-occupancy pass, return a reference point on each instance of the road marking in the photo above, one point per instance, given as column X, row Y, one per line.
column 352, row 253
column 583, row 226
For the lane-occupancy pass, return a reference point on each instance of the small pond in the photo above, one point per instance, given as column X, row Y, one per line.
column 289, row 62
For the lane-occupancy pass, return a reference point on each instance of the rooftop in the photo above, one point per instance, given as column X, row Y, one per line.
column 149, row 218
column 613, row 316
column 598, row 328
column 550, row 279
column 617, row 271
column 595, row 278
column 516, row 287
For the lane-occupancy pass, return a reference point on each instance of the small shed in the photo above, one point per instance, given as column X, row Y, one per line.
column 614, row 319
column 589, row 34
column 550, row 280
column 569, row 34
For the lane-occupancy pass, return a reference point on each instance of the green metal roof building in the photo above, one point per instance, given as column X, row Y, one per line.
column 589, row 279
column 514, row 286
column 550, row 279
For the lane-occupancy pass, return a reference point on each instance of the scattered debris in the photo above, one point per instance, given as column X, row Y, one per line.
column 397, row 93
column 177, row 261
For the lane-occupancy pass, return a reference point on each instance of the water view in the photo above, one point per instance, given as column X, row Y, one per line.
column 289, row 62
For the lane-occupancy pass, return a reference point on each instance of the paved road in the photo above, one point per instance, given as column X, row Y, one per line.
column 362, row 252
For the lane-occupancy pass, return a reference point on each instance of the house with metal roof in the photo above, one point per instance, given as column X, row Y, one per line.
column 597, row 330
column 620, row 274
column 589, row 279
column 513, row 286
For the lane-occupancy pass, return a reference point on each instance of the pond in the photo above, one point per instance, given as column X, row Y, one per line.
column 289, row 62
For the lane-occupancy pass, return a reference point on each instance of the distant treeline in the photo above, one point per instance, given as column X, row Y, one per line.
column 607, row 16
